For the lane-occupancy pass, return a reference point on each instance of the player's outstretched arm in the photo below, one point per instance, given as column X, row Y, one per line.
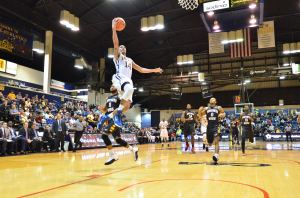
column 115, row 39
column 145, row 70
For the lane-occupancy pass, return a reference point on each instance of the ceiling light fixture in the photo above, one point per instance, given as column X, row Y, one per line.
column 216, row 26
column 210, row 13
column 252, row 6
column 253, row 19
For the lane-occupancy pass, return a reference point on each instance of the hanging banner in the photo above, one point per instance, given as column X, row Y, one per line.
column 214, row 42
column 2, row 65
column 15, row 41
column 266, row 35
column 57, row 84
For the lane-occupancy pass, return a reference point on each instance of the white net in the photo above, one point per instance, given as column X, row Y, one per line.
column 188, row 4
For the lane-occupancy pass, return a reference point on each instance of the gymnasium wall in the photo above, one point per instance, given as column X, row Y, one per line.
column 134, row 115
column 26, row 74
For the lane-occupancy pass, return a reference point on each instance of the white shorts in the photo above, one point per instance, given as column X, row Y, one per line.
column 203, row 129
column 119, row 81
column 164, row 133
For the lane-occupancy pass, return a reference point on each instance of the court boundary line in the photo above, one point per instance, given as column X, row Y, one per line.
column 265, row 193
column 92, row 177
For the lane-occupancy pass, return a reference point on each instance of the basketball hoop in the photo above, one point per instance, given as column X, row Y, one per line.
column 188, row 4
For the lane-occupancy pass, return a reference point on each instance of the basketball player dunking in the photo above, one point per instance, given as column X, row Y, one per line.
column 189, row 118
column 213, row 114
column 122, row 79
column 112, row 102
column 246, row 120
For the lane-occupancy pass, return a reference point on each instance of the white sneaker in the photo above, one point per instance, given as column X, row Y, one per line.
column 215, row 158
column 111, row 159
column 135, row 151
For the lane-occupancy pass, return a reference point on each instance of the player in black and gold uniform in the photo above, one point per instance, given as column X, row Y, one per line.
column 112, row 102
column 213, row 114
column 234, row 130
column 246, row 120
column 189, row 118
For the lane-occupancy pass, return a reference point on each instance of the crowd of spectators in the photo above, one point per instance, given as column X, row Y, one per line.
column 23, row 117
column 26, row 122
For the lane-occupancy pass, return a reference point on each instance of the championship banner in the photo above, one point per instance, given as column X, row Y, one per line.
column 57, row 84
column 15, row 41
column 215, row 43
column 266, row 35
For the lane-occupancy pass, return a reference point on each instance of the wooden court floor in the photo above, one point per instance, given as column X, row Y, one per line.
column 269, row 170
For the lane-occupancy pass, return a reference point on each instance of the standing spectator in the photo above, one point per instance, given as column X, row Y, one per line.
column 24, row 136
column 59, row 128
column 288, row 132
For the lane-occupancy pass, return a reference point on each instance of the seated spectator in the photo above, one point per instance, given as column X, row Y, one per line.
column 24, row 136
column 4, row 111
column 14, row 111
column 28, row 104
column 48, row 138
column 3, row 140
column 11, row 95
column 36, row 144
column 19, row 96
column 14, row 137
column 1, row 96
column 11, row 145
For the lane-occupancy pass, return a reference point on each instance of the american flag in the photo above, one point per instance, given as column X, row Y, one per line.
column 242, row 49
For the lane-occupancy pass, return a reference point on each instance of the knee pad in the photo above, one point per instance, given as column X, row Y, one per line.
column 106, row 140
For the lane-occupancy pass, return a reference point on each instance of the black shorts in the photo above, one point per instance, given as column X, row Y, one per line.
column 212, row 133
column 111, row 128
column 189, row 129
column 235, row 133
column 247, row 133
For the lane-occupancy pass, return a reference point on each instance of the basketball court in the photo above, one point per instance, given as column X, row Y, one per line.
column 106, row 98
column 269, row 170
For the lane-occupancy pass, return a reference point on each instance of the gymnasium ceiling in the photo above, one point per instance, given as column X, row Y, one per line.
column 184, row 32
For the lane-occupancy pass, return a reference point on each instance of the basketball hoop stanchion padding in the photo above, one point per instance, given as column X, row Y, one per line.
column 188, row 4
